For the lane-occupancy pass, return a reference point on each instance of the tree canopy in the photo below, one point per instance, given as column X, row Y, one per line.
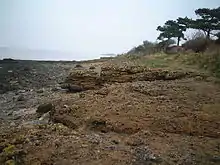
column 171, row 29
column 208, row 21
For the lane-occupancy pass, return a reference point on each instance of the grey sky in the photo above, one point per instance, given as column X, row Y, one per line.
column 88, row 28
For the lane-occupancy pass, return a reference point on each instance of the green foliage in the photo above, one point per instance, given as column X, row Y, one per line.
column 212, row 59
column 218, row 38
column 209, row 20
column 156, row 62
column 172, row 29
column 150, row 47
column 148, row 44
column 144, row 49
column 208, row 60
column 10, row 150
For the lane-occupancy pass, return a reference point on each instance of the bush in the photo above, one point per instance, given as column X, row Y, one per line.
column 212, row 59
column 199, row 44
column 146, row 48
column 209, row 60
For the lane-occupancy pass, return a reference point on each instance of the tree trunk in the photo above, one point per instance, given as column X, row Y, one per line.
column 178, row 41
column 208, row 34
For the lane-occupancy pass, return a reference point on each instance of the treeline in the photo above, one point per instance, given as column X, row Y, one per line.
column 208, row 22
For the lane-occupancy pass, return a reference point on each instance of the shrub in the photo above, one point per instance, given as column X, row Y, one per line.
column 212, row 59
column 146, row 48
column 199, row 44
column 209, row 60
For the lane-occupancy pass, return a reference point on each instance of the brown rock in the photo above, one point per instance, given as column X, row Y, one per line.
column 65, row 120
column 89, row 79
column 86, row 79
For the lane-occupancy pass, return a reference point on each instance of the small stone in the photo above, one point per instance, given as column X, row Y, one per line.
column 102, row 91
column 26, row 68
column 44, row 108
column 84, row 146
column 78, row 66
column 65, row 120
column 198, row 78
column 82, row 95
column 13, row 82
column 65, row 106
column 40, row 91
column 37, row 143
column 115, row 141
column 73, row 88
column 57, row 143
column 92, row 67
column 12, row 124
column 56, row 89
column 21, row 98
column 16, row 117
column 10, row 113
column 21, row 91
column 134, row 142
column 210, row 79
column 45, row 117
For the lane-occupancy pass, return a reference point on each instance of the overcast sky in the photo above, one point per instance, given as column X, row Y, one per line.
column 87, row 28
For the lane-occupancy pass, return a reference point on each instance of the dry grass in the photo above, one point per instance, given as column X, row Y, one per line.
column 206, row 62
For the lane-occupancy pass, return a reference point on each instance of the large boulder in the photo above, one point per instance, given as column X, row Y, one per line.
column 80, row 80
column 139, row 73
column 83, row 80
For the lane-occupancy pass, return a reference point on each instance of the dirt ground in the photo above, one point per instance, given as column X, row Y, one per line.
column 124, row 114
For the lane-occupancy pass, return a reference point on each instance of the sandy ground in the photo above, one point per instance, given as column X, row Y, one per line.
column 131, row 116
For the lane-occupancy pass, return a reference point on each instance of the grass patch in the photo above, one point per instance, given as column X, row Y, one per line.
column 208, row 61
column 156, row 63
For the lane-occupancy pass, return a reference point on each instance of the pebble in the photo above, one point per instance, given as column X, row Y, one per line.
column 40, row 91
column 45, row 117
column 12, row 124
column 65, row 106
column 44, row 108
column 115, row 141
column 10, row 113
column 56, row 89
column 215, row 159
column 21, row 98
column 21, row 91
